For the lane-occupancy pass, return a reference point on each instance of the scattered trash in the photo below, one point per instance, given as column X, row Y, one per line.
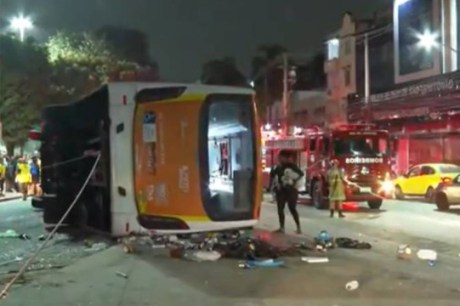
column 96, row 247
column 158, row 246
column 429, row 255
column 348, row 243
column 204, row 255
column 315, row 259
column 432, row 263
column 351, row 286
column 121, row 274
column 177, row 253
column 324, row 241
column 404, row 252
column 13, row 234
column 267, row 263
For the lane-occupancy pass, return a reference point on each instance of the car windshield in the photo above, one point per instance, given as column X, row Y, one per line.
column 449, row 169
column 360, row 146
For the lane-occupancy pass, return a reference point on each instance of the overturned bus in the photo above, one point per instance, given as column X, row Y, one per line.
column 159, row 158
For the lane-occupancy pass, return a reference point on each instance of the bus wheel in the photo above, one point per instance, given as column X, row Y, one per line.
column 375, row 204
column 317, row 195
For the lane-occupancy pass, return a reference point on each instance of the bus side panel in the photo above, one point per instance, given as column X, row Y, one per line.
column 167, row 181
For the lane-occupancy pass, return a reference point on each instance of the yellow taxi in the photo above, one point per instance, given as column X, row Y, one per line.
column 423, row 179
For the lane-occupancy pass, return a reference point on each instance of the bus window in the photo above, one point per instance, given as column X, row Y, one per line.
column 228, row 157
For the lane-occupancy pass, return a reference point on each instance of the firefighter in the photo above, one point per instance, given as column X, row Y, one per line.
column 336, row 182
column 285, row 177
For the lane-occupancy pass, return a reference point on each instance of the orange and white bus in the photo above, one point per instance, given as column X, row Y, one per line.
column 174, row 158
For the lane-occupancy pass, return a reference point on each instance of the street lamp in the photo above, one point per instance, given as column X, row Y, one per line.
column 21, row 24
column 428, row 40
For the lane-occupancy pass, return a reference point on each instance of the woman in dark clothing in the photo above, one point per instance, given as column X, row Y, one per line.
column 284, row 178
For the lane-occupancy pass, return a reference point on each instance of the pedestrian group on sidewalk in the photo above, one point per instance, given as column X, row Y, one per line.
column 20, row 174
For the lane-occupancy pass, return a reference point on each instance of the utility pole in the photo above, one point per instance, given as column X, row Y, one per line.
column 366, row 77
column 285, row 94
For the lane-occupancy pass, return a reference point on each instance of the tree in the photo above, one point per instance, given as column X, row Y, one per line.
column 24, row 87
column 267, row 77
column 82, row 62
column 131, row 45
column 223, row 72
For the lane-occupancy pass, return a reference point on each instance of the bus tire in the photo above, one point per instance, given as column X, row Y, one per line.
column 375, row 204
column 317, row 195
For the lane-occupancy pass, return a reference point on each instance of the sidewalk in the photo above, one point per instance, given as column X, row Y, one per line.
column 10, row 196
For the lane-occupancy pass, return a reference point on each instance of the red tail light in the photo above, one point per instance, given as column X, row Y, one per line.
column 446, row 180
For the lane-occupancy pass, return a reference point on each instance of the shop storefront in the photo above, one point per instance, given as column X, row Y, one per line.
column 423, row 119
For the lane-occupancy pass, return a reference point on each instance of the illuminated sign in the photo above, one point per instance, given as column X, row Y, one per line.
column 364, row 160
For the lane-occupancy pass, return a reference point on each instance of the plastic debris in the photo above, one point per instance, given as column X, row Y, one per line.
column 404, row 252
column 13, row 234
column 351, row 286
column 315, row 259
column 348, row 243
column 204, row 255
column 268, row 263
column 427, row 255
column 121, row 274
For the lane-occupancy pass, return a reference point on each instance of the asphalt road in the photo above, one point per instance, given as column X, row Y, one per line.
column 62, row 250
column 384, row 279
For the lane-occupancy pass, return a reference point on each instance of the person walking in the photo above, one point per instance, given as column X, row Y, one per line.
column 336, row 182
column 35, row 175
column 285, row 177
column 23, row 177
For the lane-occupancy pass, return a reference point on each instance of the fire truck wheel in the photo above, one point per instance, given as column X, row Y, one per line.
column 399, row 194
column 375, row 204
column 317, row 195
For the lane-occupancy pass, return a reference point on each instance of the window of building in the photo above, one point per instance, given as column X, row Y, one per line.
column 347, row 76
column 333, row 48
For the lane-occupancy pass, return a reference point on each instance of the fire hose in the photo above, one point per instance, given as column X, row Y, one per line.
column 24, row 267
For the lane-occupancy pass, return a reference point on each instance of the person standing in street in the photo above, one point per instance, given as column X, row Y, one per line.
column 285, row 177
column 336, row 182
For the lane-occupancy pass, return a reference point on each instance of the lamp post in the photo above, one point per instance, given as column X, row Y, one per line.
column 21, row 24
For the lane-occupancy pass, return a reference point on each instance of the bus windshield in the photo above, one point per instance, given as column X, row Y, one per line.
column 360, row 146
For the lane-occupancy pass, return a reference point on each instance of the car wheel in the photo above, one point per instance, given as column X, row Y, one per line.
column 429, row 195
column 441, row 202
column 399, row 194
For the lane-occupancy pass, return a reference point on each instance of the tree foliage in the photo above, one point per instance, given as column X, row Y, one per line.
column 25, row 74
column 67, row 67
column 223, row 72
column 267, row 76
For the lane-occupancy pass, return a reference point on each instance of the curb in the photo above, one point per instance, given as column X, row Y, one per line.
column 6, row 199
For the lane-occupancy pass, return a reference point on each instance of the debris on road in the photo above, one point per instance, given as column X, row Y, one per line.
column 121, row 274
column 13, row 234
column 352, row 286
column 348, row 243
column 315, row 259
column 267, row 263
column 404, row 252
column 324, row 241
column 429, row 255
column 203, row 256
column 96, row 247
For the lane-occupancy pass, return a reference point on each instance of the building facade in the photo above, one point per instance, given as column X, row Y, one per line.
column 414, row 80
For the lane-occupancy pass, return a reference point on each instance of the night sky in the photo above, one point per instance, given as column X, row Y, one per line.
column 185, row 33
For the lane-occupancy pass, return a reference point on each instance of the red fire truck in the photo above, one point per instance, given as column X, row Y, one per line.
column 363, row 154
column 273, row 144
